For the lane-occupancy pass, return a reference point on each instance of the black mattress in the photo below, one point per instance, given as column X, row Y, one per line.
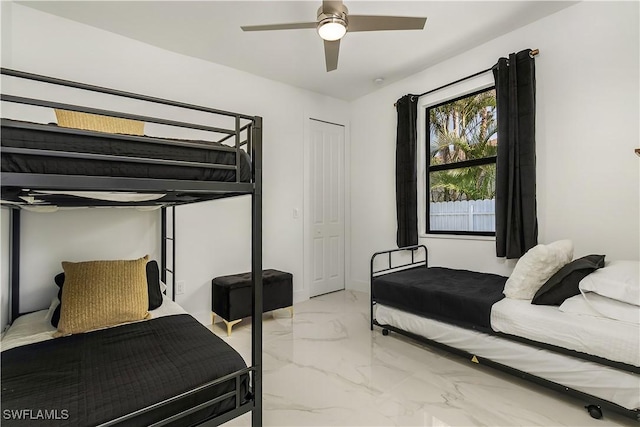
column 98, row 376
column 50, row 137
column 460, row 297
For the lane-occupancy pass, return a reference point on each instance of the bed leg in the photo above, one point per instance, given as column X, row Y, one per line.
column 385, row 332
column 371, row 314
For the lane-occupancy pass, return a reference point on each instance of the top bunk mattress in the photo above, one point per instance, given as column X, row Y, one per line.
column 610, row 339
column 55, row 138
column 459, row 297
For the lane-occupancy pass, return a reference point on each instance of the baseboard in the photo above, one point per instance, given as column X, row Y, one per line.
column 359, row 286
column 203, row 317
column 299, row 296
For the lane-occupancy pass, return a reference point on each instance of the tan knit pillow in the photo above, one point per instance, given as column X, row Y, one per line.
column 102, row 293
column 87, row 121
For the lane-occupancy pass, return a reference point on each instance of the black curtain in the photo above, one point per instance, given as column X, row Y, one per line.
column 516, row 220
column 406, row 171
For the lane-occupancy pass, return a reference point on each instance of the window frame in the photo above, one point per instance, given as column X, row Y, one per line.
column 448, row 166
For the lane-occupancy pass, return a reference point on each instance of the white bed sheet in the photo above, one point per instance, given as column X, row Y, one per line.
column 598, row 336
column 35, row 327
column 613, row 385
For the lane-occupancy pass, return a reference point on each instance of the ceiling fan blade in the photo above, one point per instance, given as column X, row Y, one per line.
column 331, row 50
column 381, row 23
column 331, row 6
column 292, row 26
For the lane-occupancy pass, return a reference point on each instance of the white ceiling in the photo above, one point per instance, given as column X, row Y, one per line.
column 210, row 30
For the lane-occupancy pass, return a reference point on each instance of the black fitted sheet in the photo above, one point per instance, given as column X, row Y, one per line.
column 98, row 376
column 49, row 137
column 460, row 297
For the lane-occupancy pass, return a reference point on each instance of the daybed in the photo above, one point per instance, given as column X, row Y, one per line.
column 591, row 357
column 167, row 369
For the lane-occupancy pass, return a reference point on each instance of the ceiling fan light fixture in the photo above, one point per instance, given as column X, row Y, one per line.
column 332, row 28
column 333, row 22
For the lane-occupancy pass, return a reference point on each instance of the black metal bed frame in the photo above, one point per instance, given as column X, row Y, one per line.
column 198, row 190
column 594, row 404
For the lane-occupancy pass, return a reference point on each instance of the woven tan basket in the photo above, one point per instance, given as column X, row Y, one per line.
column 86, row 121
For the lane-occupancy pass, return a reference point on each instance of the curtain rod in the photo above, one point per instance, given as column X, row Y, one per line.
column 532, row 53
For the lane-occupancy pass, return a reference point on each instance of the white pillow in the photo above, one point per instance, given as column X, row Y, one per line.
column 27, row 329
column 618, row 280
column 564, row 251
column 592, row 304
column 536, row 267
column 55, row 302
column 578, row 305
column 28, row 113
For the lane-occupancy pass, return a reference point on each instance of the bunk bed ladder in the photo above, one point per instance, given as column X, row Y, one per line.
column 165, row 237
column 14, row 266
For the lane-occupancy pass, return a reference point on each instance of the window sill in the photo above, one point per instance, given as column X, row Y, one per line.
column 457, row 237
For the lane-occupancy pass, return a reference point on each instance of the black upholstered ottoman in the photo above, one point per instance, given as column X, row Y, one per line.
column 231, row 295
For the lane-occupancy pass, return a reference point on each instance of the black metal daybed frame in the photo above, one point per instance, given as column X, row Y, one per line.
column 178, row 191
column 593, row 405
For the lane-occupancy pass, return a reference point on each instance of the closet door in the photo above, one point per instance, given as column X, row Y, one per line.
column 327, row 207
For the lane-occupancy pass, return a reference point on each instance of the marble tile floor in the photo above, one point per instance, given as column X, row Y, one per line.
column 325, row 367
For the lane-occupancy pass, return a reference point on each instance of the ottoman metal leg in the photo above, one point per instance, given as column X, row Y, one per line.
column 273, row 313
column 230, row 325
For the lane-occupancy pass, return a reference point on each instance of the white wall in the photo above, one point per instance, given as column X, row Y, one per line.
column 79, row 235
column 48, row 239
column 212, row 238
column 587, row 128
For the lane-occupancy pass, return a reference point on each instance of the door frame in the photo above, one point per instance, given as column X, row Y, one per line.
column 307, row 269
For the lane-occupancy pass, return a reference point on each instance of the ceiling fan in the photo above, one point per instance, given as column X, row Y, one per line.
column 334, row 22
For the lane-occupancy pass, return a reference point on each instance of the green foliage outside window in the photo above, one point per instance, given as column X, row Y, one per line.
column 462, row 130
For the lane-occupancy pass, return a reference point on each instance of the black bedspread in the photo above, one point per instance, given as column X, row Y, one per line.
column 49, row 137
column 460, row 297
column 101, row 375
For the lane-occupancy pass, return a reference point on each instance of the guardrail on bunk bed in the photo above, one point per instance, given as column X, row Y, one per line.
column 238, row 410
column 94, row 182
column 196, row 191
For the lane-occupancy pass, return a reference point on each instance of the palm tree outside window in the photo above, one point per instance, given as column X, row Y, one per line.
column 462, row 143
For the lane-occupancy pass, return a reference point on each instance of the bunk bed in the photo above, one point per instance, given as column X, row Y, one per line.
column 593, row 359
column 188, row 376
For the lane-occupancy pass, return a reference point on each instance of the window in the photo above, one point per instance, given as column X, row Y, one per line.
column 462, row 143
